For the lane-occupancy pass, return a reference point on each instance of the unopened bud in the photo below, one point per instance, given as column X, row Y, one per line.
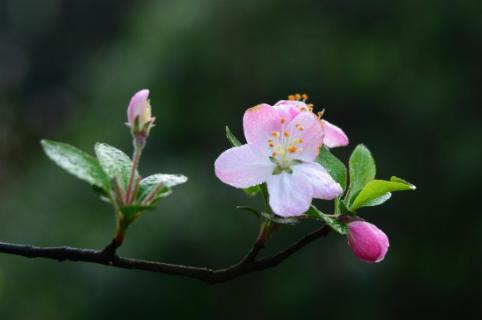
column 139, row 111
column 367, row 242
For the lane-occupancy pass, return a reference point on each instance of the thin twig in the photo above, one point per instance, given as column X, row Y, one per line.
column 245, row 266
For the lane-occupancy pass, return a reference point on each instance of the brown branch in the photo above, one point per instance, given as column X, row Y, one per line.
column 247, row 265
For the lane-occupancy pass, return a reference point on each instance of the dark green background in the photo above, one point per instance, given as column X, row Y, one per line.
column 403, row 77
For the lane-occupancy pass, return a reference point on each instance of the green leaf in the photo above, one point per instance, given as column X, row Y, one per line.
column 103, row 195
column 252, row 191
column 77, row 163
column 233, row 141
column 362, row 171
column 279, row 220
column 334, row 223
column 397, row 179
column 114, row 162
column 378, row 188
column 343, row 209
column 333, row 165
column 149, row 184
column 378, row 201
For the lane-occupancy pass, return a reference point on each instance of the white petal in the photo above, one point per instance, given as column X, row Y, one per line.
column 323, row 185
column 289, row 194
column 243, row 167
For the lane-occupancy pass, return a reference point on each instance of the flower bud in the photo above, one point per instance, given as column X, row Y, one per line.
column 367, row 242
column 139, row 110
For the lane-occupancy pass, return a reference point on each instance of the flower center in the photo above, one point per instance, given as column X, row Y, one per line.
column 285, row 145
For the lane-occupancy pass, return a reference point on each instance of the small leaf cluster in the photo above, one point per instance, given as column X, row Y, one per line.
column 109, row 174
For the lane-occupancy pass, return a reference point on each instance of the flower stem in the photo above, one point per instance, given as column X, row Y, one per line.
column 135, row 164
column 264, row 232
column 264, row 193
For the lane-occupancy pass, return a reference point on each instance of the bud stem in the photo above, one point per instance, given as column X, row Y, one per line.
column 130, row 196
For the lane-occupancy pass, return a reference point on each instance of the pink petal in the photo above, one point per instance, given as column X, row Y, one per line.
column 137, row 105
column 367, row 242
column 384, row 243
column 323, row 185
column 258, row 123
column 334, row 136
column 243, row 167
column 307, row 127
column 290, row 103
column 290, row 108
column 289, row 194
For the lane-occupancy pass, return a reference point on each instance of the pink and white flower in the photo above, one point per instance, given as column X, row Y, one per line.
column 283, row 142
column 367, row 242
column 139, row 108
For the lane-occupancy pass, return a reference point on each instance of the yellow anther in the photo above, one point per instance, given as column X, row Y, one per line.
column 292, row 149
column 291, row 97
column 286, row 134
column 271, row 145
column 298, row 96
column 304, row 96
column 282, row 120
column 301, row 128
column 299, row 141
column 275, row 134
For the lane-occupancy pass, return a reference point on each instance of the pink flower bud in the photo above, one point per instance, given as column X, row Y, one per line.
column 139, row 107
column 367, row 242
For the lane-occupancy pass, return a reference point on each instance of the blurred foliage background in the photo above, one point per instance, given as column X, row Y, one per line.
column 403, row 77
